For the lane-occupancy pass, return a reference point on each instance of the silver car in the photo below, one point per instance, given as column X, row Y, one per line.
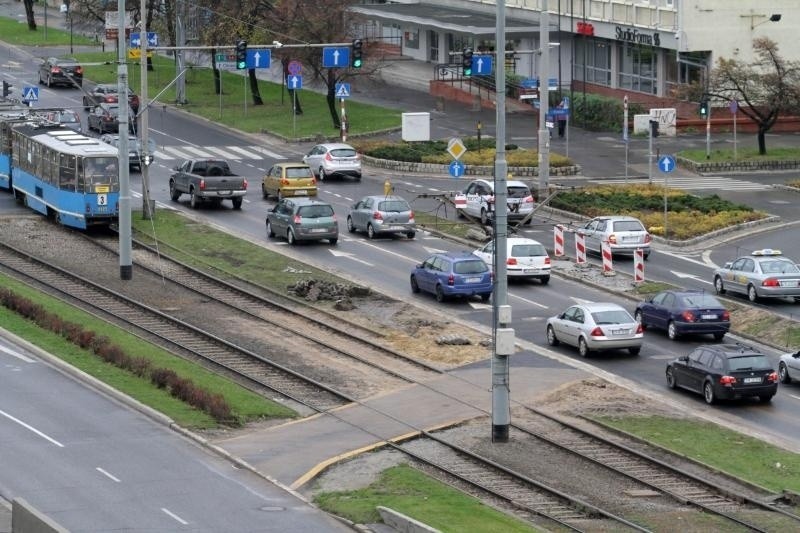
column 334, row 159
column 624, row 235
column 789, row 367
column 135, row 153
column 762, row 274
column 596, row 327
column 382, row 215
column 303, row 219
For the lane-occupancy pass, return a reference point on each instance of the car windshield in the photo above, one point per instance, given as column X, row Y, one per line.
column 298, row 172
column 611, row 316
column 343, row 152
column 393, row 206
column 518, row 192
column 315, row 211
column 67, row 117
column 749, row 362
column 470, row 267
column 700, row 300
column 779, row 267
column 527, row 250
column 628, row 225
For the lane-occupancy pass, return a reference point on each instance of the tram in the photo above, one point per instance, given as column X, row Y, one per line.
column 64, row 175
column 8, row 117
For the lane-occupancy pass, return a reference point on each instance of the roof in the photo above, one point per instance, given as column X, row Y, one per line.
column 602, row 306
column 291, row 164
column 731, row 349
column 521, row 240
column 336, row 146
column 509, row 183
column 300, row 200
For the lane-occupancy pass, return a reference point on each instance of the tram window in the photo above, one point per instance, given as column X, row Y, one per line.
column 66, row 171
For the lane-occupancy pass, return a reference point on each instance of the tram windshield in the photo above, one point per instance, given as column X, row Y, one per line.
column 101, row 174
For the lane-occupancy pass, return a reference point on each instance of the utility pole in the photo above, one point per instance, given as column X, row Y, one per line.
column 180, row 38
column 125, row 265
column 544, row 101
column 144, row 134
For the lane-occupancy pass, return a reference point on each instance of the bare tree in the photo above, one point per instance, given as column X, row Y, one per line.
column 765, row 88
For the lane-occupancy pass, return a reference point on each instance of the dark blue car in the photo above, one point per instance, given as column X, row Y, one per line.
column 685, row 313
column 453, row 274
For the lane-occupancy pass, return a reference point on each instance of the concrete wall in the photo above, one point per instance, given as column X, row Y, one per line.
column 26, row 519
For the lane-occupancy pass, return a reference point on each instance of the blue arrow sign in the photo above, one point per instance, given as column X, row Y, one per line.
column 259, row 58
column 335, row 57
column 481, row 65
column 30, row 93
column 136, row 39
column 666, row 163
column 294, row 82
column 342, row 90
column 559, row 112
column 456, row 168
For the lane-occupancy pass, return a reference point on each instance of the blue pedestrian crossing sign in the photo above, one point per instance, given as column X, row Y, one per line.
column 666, row 163
column 30, row 93
column 342, row 90
column 456, row 168
column 481, row 65
column 258, row 58
column 336, row 57
column 294, row 82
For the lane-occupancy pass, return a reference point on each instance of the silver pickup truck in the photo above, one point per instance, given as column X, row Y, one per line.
column 207, row 180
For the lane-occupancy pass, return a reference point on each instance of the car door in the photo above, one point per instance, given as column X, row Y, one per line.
column 427, row 274
column 697, row 369
column 794, row 365
column 473, row 205
column 486, row 254
column 312, row 159
column 662, row 311
column 283, row 211
column 365, row 212
column 591, row 239
column 566, row 326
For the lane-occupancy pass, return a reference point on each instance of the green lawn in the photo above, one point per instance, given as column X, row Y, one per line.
column 14, row 31
column 742, row 154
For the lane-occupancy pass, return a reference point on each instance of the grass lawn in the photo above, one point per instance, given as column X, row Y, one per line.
column 742, row 154
column 15, row 31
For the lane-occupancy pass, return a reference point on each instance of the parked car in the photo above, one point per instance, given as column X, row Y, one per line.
column 525, row 258
column 108, row 93
column 381, row 215
column 334, row 159
column 624, row 235
column 763, row 274
column 789, row 367
column 684, row 313
column 104, row 118
column 303, row 219
column 61, row 71
column 289, row 179
column 724, row 372
column 66, row 117
column 596, row 327
column 453, row 274
column 478, row 200
column 135, row 152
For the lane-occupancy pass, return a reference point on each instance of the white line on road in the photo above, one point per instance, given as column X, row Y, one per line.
column 105, row 473
column 664, row 357
column 176, row 517
column 31, row 428
column 18, row 355
column 678, row 256
column 794, row 396
column 528, row 301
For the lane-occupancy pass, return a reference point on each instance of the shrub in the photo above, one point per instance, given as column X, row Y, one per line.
column 600, row 113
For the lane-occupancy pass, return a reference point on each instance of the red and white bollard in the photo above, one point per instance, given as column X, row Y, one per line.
column 608, row 267
column 580, row 248
column 638, row 265
column 558, row 238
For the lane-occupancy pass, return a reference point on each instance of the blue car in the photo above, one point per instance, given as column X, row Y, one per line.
column 685, row 313
column 453, row 274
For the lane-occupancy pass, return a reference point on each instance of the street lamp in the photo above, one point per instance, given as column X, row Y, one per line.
column 544, row 100
column 775, row 17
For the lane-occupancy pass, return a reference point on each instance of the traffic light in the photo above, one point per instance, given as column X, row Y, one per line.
column 466, row 61
column 703, row 109
column 6, row 89
column 358, row 53
column 654, row 128
column 241, row 54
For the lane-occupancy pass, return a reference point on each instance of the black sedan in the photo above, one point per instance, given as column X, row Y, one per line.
column 684, row 313
column 724, row 371
column 104, row 118
column 61, row 71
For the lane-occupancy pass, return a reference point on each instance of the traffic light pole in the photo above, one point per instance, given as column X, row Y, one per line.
column 123, row 159
column 708, row 131
column 144, row 134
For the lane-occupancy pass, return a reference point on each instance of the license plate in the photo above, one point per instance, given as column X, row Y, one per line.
column 394, row 228
column 708, row 317
column 620, row 331
column 473, row 280
column 530, row 270
column 319, row 230
column 224, row 193
column 300, row 193
column 789, row 283
column 752, row 380
column 630, row 239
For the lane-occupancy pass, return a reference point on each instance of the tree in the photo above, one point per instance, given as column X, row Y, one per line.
column 765, row 88
column 29, row 15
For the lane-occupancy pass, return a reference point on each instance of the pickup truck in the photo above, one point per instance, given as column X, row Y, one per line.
column 207, row 180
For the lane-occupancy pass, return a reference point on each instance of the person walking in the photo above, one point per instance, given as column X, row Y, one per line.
column 562, row 121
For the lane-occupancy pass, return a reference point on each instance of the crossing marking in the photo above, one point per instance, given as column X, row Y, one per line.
column 248, row 155
column 177, row 153
column 219, row 152
column 266, row 152
column 210, row 152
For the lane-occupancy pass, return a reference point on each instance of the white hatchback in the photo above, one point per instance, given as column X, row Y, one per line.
column 477, row 200
column 525, row 258
column 334, row 159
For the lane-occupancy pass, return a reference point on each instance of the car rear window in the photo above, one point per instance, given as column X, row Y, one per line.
column 701, row 300
column 343, row 152
column 779, row 267
column 315, row 211
column 611, row 317
column 298, row 172
column 528, row 250
column 470, row 267
column 393, row 206
column 628, row 225
column 518, row 192
column 749, row 362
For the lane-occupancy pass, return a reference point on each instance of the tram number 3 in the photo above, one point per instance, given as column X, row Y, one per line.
column 102, row 199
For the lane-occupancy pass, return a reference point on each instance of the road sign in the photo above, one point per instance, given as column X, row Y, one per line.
column 258, row 58
column 565, row 102
column 666, row 163
column 456, row 168
column 136, row 53
column 456, row 148
column 481, row 65
column 30, row 93
column 136, row 39
column 336, row 57
column 294, row 82
column 342, row 90
column 224, row 65
column 559, row 112
column 295, row 67
column 219, row 58
column 734, row 107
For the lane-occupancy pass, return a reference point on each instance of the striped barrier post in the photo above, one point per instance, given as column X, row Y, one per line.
column 558, row 237
column 638, row 265
column 608, row 265
column 580, row 248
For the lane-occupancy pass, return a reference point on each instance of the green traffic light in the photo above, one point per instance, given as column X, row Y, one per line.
column 467, row 72
column 357, row 63
column 241, row 65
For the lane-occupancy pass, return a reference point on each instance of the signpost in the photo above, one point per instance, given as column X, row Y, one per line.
column 666, row 164
column 336, row 57
column 456, row 148
column 30, row 94
column 734, row 107
column 342, row 92
column 625, row 132
column 259, row 58
column 481, row 65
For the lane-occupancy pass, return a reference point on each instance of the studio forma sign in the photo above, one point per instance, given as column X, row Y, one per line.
column 632, row 35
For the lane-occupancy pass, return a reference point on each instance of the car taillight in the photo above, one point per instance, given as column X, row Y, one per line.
column 328, row 157
column 377, row 215
column 78, row 70
column 245, row 184
column 334, row 217
column 726, row 315
column 313, row 180
column 639, row 328
column 451, row 280
column 648, row 238
column 202, row 184
column 771, row 282
column 511, row 261
column 528, row 200
column 55, row 70
column 547, row 260
column 411, row 216
column 688, row 316
column 298, row 219
column 284, row 181
column 727, row 381
column 111, row 99
column 612, row 239
column 597, row 332
column 772, row 377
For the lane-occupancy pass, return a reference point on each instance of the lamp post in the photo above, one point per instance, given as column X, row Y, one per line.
column 544, row 101
column 69, row 14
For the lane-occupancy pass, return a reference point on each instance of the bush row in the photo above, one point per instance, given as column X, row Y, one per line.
column 181, row 388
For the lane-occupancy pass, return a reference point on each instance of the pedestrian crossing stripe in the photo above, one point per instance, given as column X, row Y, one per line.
column 691, row 182
column 211, row 152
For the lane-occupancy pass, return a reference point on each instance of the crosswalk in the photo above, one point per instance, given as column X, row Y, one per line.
column 692, row 183
column 181, row 152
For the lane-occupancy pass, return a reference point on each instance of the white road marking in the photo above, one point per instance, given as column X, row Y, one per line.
column 661, row 357
column 691, row 276
column 174, row 151
column 528, row 301
column 348, row 255
column 18, row 355
column 195, row 151
column 480, row 307
column 249, row 155
column 267, row 152
column 222, row 153
column 176, row 517
column 31, row 428
column 433, row 250
column 679, row 256
column 794, row 396
column 707, row 259
column 105, row 473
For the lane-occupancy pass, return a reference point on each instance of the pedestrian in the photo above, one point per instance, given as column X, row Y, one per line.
column 562, row 121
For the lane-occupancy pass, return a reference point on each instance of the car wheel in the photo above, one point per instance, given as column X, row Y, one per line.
column 350, row 226
column 484, row 217
column 671, row 381
column 358, row 177
column 194, row 200
column 290, row 237
column 672, row 331
column 718, row 286
column 414, row 285
column 634, row 350
column 708, row 393
column 752, row 295
column 411, row 234
column 322, row 175
column 545, row 280
column 552, row 340
column 639, row 317
column 280, row 195
column 719, row 336
column 49, row 81
column 333, row 241
column 766, row 398
column 583, row 348
column 783, row 372
column 237, row 203
column 485, row 297
column 270, row 231
column 174, row 194
column 439, row 293
column 264, row 193
column 646, row 257
column 370, row 231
